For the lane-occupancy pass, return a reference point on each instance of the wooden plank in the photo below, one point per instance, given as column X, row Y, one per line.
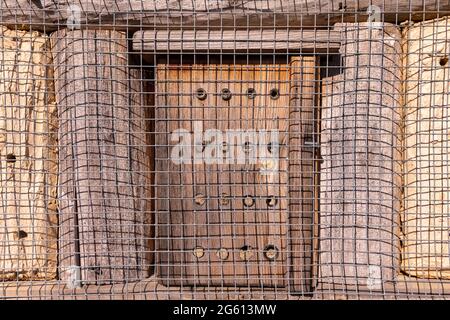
column 150, row 289
column 147, row 289
column 206, row 208
column 272, row 222
column 28, row 151
column 104, row 166
column 153, row 41
column 360, row 174
column 403, row 288
column 303, row 80
column 426, row 209
column 121, row 14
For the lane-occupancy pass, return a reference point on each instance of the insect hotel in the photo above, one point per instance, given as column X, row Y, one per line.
column 194, row 149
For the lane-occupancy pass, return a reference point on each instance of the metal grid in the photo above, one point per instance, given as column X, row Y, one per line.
column 224, row 149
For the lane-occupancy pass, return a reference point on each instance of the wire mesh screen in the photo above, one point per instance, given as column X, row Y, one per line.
column 224, row 149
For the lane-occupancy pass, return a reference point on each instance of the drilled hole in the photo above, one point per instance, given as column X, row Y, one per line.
column 274, row 94
column 222, row 254
column 11, row 158
column 201, row 94
column 271, row 252
column 246, row 252
column 249, row 201
column 226, row 94
column 199, row 252
column 443, row 61
column 271, row 201
column 20, row 234
column 200, row 199
column 251, row 93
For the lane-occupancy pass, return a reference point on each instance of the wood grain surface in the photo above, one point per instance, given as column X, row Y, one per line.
column 302, row 156
column 123, row 14
column 360, row 186
column 200, row 207
column 105, row 182
column 254, row 40
column 426, row 170
column 28, row 152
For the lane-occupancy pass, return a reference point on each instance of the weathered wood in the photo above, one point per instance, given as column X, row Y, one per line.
column 154, row 41
column 28, row 151
column 426, row 169
column 303, row 79
column 150, row 289
column 104, row 165
column 360, row 174
column 201, row 205
column 147, row 289
column 125, row 13
column 404, row 287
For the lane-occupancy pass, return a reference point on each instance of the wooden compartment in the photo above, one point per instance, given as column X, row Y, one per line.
column 227, row 223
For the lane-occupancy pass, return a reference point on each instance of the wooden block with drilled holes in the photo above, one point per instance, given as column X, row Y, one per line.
column 28, row 151
column 222, row 223
column 201, row 206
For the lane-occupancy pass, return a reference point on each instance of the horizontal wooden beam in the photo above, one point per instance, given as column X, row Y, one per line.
column 123, row 14
column 404, row 287
column 150, row 289
column 154, row 41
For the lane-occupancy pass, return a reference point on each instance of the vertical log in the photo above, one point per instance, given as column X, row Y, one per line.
column 426, row 248
column 104, row 165
column 28, row 151
column 360, row 176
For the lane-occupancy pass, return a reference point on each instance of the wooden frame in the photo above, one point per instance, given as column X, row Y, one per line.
column 242, row 41
column 150, row 289
column 196, row 224
column 50, row 15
